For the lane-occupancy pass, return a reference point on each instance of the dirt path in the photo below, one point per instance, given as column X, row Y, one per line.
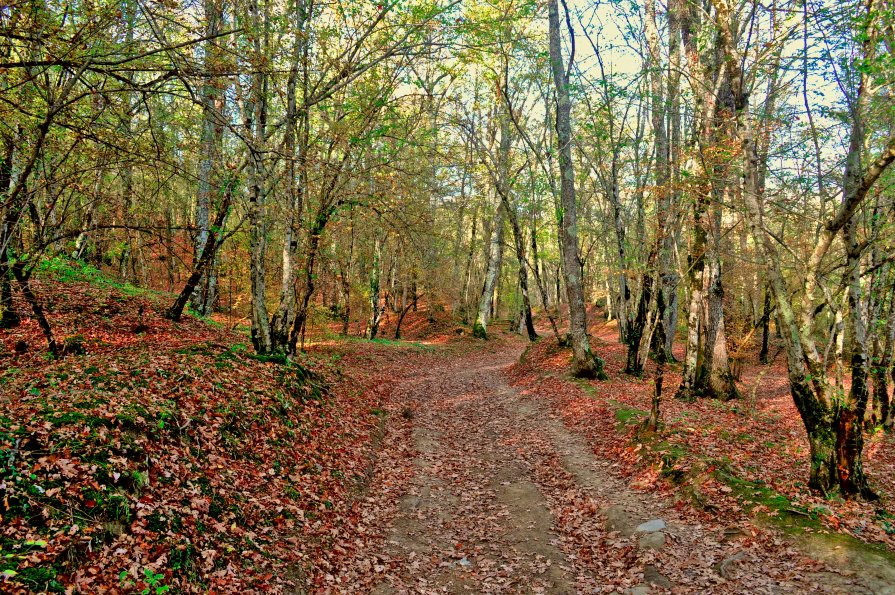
column 503, row 498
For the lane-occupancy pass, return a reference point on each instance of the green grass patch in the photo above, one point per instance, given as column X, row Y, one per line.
column 67, row 270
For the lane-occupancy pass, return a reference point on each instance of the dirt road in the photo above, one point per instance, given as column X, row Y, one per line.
column 503, row 498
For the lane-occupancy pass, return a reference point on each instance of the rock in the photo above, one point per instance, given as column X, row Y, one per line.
column 652, row 576
column 617, row 520
column 464, row 562
column 651, row 526
column 652, row 541
column 638, row 590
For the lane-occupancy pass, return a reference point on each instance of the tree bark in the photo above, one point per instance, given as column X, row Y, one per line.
column 375, row 308
column 257, row 130
column 204, row 293
column 492, row 274
column 296, row 144
column 584, row 363
column 205, row 260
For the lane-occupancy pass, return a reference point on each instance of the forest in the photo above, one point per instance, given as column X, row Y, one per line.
column 424, row 296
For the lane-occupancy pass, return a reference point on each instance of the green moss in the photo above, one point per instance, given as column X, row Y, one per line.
column 478, row 331
column 629, row 415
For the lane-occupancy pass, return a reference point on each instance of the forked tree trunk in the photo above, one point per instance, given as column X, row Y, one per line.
column 503, row 190
column 527, row 322
column 296, row 143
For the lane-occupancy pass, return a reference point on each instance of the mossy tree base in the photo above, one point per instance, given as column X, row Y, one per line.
column 591, row 368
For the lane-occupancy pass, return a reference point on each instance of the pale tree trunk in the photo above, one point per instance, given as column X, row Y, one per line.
column 883, row 363
column 213, row 116
column 295, row 149
column 8, row 316
column 375, row 307
column 714, row 377
column 492, row 274
column 670, row 275
column 584, row 363
column 695, row 278
column 467, row 275
column 706, row 366
column 257, row 120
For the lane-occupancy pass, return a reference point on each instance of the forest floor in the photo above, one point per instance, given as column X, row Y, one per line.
column 159, row 457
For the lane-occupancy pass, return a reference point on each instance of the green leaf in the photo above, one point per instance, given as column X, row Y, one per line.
column 36, row 543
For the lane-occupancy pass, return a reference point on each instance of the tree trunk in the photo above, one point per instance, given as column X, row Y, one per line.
column 375, row 308
column 642, row 326
column 206, row 259
column 467, row 274
column 765, row 326
column 695, row 271
column 212, row 137
column 584, row 363
column 296, row 144
column 714, row 378
column 503, row 190
column 257, row 121
column 850, row 429
column 492, row 274
column 523, row 272
column 883, row 367
column 296, row 332
column 22, row 277
column 8, row 316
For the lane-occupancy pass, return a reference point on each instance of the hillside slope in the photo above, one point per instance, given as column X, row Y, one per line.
column 167, row 456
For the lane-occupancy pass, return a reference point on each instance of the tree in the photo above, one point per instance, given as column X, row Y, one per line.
column 584, row 363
